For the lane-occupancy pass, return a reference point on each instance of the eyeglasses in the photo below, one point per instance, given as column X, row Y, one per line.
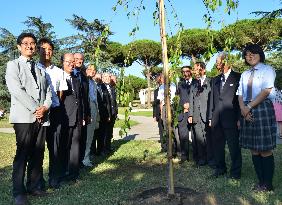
column 186, row 71
column 28, row 44
column 69, row 62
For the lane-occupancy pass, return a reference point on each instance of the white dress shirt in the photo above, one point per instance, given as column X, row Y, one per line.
column 264, row 76
column 161, row 92
column 56, row 81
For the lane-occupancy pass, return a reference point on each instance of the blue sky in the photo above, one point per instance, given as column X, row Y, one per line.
column 190, row 13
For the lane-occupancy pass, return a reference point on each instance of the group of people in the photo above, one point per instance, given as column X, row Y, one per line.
column 231, row 108
column 73, row 108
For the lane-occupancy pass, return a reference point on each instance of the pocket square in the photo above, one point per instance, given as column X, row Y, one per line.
column 231, row 84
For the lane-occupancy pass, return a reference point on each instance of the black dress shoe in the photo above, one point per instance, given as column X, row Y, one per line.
column 54, row 184
column 218, row 173
column 38, row 193
column 202, row 162
column 21, row 200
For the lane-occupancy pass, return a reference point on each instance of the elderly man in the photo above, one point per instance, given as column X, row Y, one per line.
column 94, row 122
column 80, row 72
column 198, row 115
column 74, row 114
column 30, row 102
column 224, row 115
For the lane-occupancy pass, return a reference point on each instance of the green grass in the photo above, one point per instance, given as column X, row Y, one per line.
column 4, row 122
column 121, row 110
column 126, row 173
column 120, row 122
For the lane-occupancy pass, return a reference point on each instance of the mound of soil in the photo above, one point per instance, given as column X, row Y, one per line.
column 183, row 196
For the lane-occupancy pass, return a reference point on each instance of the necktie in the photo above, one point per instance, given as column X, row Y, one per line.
column 222, row 80
column 32, row 69
column 250, row 85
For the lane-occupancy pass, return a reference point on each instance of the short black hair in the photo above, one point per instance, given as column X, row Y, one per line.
column 46, row 40
column 255, row 49
column 24, row 35
column 202, row 64
column 186, row 66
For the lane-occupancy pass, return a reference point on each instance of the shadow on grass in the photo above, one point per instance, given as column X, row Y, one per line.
column 128, row 172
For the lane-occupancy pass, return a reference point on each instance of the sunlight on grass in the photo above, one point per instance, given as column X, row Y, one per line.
column 117, row 178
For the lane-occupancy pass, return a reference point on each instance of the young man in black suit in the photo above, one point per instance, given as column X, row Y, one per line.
column 224, row 115
column 183, row 90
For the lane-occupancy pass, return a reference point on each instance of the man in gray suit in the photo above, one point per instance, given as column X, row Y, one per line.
column 30, row 102
column 94, row 122
column 199, row 102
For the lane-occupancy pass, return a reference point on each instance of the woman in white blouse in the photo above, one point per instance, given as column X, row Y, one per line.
column 258, row 124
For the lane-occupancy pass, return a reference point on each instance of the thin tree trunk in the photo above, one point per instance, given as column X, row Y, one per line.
column 167, row 98
column 149, row 87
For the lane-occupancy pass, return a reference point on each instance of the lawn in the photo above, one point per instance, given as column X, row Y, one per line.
column 148, row 113
column 120, row 122
column 4, row 122
column 128, row 172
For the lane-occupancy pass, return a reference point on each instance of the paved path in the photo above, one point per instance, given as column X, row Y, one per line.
column 147, row 129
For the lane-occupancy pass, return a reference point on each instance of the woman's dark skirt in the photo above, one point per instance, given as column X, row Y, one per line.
column 259, row 135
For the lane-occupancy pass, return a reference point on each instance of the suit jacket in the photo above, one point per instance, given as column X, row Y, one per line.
column 184, row 90
column 224, row 105
column 73, row 102
column 200, row 101
column 156, row 105
column 104, row 102
column 26, row 93
column 114, row 105
column 84, row 93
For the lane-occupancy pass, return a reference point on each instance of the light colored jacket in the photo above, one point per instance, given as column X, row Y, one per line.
column 26, row 94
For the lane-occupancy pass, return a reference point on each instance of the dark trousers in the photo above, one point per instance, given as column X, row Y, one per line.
column 231, row 136
column 199, row 130
column 210, row 150
column 72, row 154
column 82, row 142
column 109, row 135
column 183, row 132
column 30, row 139
column 161, row 130
column 53, row 139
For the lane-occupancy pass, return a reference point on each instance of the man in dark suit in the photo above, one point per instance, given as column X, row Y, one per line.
column 199, row 102
column 105, row 111
column 112, row 104
column 183, row 91
column 157, row 113
column 30, row 102
column 224, row 115
column 73, row 107
column 80, row 72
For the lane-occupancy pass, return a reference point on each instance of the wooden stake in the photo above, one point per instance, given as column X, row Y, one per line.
column 167, row 98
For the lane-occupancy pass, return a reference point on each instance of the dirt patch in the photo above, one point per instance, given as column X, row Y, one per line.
column 183, row 196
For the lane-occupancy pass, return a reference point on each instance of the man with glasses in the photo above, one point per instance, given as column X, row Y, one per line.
column 184, row 87
column 73, row 119
column 30, row 102
column 198, row 116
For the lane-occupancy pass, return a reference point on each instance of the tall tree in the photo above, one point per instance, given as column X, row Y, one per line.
column 39, row 28
column 147, row 53
column 251, row 31
column 89, row 34
column 194, row 42
column 8, row 43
